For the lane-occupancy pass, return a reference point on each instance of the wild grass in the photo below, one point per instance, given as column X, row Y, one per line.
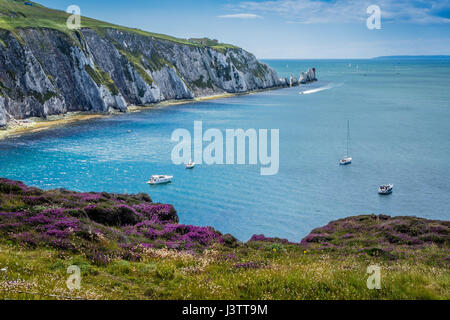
column 128, row 247
column 15, row 14
column 289, row 274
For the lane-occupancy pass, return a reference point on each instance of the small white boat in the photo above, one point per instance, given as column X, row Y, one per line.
column 190, row 165
column 160, row 179
column 386, row 189
column 347, row 159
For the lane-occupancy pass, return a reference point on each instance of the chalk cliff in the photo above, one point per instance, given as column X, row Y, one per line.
column 46, row 71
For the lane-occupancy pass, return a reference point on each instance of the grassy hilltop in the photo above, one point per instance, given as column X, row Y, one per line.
column 128, row 247
column 15, row 14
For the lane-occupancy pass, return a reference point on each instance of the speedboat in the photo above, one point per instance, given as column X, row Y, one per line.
column 160, row 179
column 386, row 189
column 345, row 161
column 190, row 165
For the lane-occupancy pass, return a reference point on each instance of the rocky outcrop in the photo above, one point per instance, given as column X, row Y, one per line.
column 46, row 72
column 305, row 77
column 308, row 76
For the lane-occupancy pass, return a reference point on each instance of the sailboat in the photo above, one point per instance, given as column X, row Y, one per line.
column 347, row 159
column 190, row 165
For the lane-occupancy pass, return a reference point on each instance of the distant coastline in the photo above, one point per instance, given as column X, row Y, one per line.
column 425, row 57
column 406, row 57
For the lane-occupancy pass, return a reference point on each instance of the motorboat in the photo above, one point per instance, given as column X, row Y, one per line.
column 160, row 179
column 386, row 189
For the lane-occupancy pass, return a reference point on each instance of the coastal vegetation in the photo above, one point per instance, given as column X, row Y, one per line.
column 14, row 14
column 128, row 247
column 102, row 78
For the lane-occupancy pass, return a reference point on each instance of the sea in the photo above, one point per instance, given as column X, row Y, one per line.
column 399, row 115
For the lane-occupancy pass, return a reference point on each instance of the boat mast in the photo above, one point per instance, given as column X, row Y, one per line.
column 348, row 135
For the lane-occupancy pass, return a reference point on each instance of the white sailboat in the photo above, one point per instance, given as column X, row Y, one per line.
column 190, row 165
column 347, row 159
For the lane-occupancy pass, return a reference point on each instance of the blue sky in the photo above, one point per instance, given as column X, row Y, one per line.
column 288, row 28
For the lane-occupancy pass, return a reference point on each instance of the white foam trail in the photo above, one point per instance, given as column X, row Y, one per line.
column 319, row 89
column 315, row 90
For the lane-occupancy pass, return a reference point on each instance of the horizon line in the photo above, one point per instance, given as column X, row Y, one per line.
column 367, row 58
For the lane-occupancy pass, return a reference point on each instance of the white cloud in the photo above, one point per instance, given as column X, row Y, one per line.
column 316, row 11
column 240, row 16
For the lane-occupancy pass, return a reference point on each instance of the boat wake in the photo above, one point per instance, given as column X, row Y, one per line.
column 315, row 90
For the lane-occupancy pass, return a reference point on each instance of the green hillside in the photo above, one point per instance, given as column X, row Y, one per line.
column 16, row 14
column 128, row 247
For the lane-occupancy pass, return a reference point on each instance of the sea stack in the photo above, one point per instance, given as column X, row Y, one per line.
column 293, row 81
column 308, row 76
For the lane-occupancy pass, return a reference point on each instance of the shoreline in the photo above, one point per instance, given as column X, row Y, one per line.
column 34, row 124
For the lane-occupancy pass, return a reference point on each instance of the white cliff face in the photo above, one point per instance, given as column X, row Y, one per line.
column 111, row 102
column 170, row 84
column 35, row 78
column 49, row 73
column 54, row 105
column 186, row 71
column 3, row 120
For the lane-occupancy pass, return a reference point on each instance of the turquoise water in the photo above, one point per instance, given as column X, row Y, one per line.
column 399, row 114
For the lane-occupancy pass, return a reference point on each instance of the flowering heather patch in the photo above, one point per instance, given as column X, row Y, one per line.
column 250, row 265
column 316, row 237
column 130, row 247
column 229, row 257
column 159, row 213
column 132, row 252
column 262, row 238
column 94, row 223
column 8, row 186
column 36, row 200
column 176, row 236
column 380, row 232
column 98, row 257
column 90, row 197
column 27, row 238
column 104, row 227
